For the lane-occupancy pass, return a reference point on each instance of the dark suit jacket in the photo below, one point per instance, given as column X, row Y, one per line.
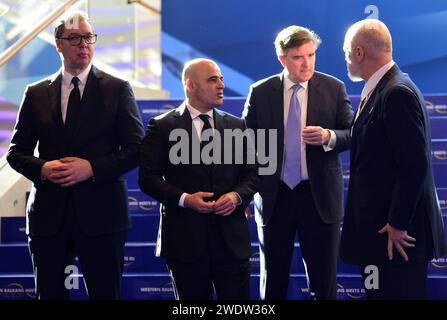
column 391, row 178
column 328, row 107
column 108, row 133
column 183, row 233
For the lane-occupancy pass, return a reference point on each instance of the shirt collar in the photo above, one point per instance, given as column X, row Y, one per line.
column 67, row 77
column 371, row 84
column 288, row 84
column 195, row 113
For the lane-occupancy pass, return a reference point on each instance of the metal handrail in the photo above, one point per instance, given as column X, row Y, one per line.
column 43, row 24
column 144, row 4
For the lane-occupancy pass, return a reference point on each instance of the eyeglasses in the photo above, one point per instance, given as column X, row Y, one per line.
column 75, row 39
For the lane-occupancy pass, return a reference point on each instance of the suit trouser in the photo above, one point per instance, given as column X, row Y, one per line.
column 403, row 281
column 217, row 268
column 295, row 212
column 101, row 258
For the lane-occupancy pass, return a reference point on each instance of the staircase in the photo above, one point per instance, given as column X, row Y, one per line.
column 8, row 115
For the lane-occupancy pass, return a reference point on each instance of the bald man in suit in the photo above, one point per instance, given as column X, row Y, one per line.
column 393, row 220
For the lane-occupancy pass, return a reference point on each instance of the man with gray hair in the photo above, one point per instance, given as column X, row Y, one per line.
column 393, row 222
column 88, row 130
column 312, row 114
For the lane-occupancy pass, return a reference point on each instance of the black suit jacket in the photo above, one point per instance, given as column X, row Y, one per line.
column 108, row 133
column 328, row 107
column 183, row 233
column 391, row 178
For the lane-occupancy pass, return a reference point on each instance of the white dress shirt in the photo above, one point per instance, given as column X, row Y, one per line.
column 198, row 124
column 372, row 82
column 67, row 86
column 302, row 96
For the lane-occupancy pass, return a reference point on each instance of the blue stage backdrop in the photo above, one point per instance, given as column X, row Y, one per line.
column 239, row 36
column 146, row 276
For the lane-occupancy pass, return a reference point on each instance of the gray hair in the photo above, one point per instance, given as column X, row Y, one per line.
column 294, row 36
column 69, row 21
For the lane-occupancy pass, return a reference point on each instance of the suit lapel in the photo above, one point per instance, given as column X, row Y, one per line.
column 276, row 108
column 91, row 99
column 183, row 120
column 277, row 103
column 54, row 99
column 312, row 108
column 220, row 123
column 372, row 103
column 374, row 98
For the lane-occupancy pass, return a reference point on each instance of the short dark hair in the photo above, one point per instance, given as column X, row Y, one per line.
column 70, row 20
column 294, row 36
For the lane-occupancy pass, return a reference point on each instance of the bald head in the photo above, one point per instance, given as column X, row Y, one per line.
column 203, row 84
column 373, row 35
column 193, row 67
column 368, row 46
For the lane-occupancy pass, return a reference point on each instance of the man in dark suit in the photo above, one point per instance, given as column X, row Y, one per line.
column 393, row 224
column 203, row 230
column 312, row 114
column 88, row 132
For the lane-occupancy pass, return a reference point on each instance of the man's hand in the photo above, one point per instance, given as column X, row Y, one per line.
column 226, row 204
column 67, row 171
column 315, row 135
column 195, row 202
column 51, row 169
column 399, row 239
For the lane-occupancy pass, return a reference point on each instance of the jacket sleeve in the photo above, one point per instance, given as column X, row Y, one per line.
column 153, row 162
column 130, row 135
column 21, row 150
column 343, row 120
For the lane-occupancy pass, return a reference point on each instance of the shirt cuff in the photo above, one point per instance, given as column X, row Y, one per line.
column 181, row 202
column 239, row 198
column 332, row 142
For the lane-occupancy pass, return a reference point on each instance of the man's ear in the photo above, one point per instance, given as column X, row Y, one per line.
column 282, row 60
column 359, row 53
column 189, row 84
column 58, row 45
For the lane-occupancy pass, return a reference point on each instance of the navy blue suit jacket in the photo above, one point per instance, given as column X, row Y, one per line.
column 329, row 107
column 107, row 132
column 183, row 233
column 391, row 178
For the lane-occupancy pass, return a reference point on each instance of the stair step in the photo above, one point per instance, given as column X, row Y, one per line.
column 139, row 258
column 144, row 228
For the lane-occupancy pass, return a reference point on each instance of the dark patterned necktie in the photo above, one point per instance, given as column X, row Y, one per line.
column 74, row 101
column 206, row 125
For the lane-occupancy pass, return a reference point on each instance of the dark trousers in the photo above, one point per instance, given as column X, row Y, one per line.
column 398, row 282
column 217, row 268
column 295, row 212
column 101, row 259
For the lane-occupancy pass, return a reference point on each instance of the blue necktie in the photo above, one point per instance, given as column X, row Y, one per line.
column 292, row 154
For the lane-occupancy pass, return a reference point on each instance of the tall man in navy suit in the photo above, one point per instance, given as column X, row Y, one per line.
column 393, row 224
column 88, row 131
column 203, row 230
column 312, row 115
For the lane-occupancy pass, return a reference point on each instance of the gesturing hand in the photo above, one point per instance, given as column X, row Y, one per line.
column 399, row 239
column 195, row 202
column 315, row 135
column 226, row 204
